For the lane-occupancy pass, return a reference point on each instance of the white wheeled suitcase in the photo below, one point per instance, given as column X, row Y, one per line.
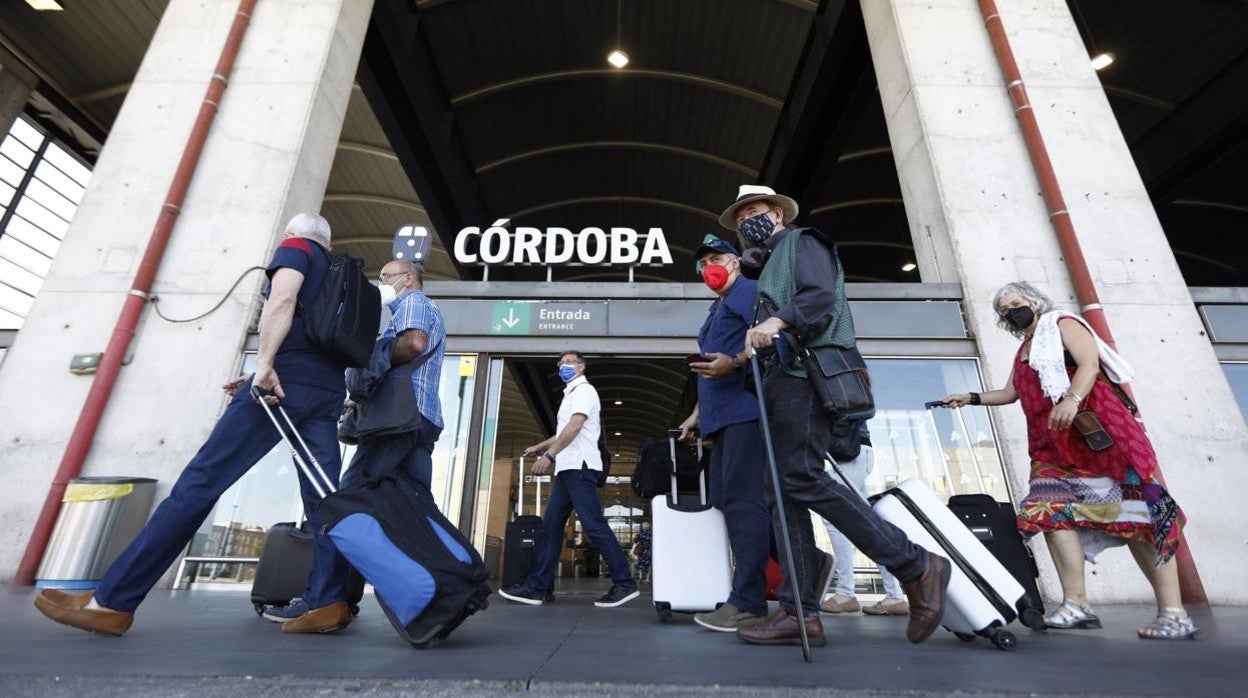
column 983, row 596
column 689, row 555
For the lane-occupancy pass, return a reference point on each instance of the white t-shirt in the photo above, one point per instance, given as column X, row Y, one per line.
column 579, row 397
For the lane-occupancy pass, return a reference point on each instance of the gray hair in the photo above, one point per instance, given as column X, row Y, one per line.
column 310, row 225
column 1040, row 303
column 416, row 269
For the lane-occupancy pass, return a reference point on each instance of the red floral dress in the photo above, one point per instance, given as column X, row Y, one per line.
column 1109, row 496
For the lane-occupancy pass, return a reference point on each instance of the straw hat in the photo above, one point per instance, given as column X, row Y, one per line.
column 754, row 192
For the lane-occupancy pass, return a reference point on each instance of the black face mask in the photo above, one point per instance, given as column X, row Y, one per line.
column 752, row 262
column 1020, row 317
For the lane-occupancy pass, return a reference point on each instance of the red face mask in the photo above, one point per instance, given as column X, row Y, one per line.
column 715, row 276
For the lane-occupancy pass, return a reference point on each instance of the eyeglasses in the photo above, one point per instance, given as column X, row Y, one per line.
column 385, row 277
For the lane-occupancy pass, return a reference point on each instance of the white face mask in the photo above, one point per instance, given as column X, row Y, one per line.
column 387, row 293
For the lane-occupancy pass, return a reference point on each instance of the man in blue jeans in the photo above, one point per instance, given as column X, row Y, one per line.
column 310, row 388
column 573, row 450
column 418, row 348
column 728, row 414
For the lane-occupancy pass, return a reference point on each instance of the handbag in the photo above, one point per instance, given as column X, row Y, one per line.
column 838, row 376
column 1093, row 432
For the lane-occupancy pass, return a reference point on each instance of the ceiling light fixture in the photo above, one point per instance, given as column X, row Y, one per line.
column 1102, row 60
column 617, row 58
column 619, row 402
column 909, row 266
column 42, row 5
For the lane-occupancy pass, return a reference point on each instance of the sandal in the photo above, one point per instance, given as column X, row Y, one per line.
column 1072, row 616
column 1169, row 626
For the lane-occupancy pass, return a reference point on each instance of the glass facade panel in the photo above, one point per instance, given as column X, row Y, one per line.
column 1237, row 375
column 34, row 214
column 951, row 455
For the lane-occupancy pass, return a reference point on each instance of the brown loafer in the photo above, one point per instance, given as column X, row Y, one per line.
column 70, row 609
column 927, row 598
column 326, row 619
column 780, row 628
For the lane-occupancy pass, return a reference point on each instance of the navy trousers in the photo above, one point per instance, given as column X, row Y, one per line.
column 240, row 439
column 736, row 489
column 576, row 489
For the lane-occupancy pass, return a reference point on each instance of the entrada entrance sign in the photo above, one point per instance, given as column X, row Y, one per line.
column 591, row 246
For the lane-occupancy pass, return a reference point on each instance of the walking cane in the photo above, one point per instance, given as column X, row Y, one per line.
column 777, row 491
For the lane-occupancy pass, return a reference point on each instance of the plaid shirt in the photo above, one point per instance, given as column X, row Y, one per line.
column 412, row 310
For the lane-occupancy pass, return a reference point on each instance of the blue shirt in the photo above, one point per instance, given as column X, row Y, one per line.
column 298, row 361
column 412, row 310
column 725, row 401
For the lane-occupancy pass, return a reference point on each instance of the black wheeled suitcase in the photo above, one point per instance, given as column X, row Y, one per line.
column 427, row 578
column 995, row 524
column 285, row 563
column 522, row 539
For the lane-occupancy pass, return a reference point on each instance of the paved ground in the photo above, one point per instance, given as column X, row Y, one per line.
column 204, row 643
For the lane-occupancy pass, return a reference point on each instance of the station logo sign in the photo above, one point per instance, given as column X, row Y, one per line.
column 498, row 245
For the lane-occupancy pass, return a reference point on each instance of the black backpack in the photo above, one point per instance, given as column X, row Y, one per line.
column 343, row 318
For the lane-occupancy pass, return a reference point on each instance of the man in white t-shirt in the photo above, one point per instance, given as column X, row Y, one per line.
column 573, row 451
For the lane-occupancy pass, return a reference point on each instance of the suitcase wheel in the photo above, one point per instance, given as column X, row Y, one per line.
column 965, row 637
column 664, row 610
column 1004, row 640
column 259, row 608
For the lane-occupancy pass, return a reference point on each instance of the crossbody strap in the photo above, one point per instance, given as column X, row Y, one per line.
column 1122, row 394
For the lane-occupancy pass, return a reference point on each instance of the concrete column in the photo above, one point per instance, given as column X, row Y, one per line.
column 267, row 157
column 976, row 215
column 16, row 84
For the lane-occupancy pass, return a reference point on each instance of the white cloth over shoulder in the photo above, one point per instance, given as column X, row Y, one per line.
column 1047, row 359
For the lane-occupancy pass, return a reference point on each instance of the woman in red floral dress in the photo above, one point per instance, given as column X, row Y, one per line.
column 1085, row 501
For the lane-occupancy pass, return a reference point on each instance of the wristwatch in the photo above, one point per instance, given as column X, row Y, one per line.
column 737, row 364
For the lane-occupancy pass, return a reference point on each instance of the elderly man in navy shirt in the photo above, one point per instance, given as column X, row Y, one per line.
column 309, row 383
column 727, row 413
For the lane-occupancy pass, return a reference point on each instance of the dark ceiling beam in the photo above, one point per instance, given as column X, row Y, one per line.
column 830, row 89
column 1208, row 125
column 404, row 88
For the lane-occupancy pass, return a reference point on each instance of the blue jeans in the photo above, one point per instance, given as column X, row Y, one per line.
column 856, row 471
column 736, row 489
column 801, row 431
column 576, row 489
column 240, row 439
column 408, row 456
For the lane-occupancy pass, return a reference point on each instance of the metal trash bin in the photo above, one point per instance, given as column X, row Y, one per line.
column 99, row 517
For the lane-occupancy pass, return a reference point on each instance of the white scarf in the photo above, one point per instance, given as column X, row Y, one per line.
column 1047, row 360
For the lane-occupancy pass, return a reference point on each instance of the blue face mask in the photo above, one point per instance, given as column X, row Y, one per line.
column 567, row 373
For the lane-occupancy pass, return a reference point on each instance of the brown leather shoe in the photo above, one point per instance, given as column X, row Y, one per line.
column 69, row 609
column 780, row 628
column 326, row 619
column 927, row 598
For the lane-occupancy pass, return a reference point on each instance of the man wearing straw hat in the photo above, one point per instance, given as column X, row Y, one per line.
column 801, row 297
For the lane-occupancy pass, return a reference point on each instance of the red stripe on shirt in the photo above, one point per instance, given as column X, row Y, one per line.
column 298, row 244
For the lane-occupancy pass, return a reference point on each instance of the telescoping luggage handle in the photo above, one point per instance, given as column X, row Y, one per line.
column 672, row 436
column 537, row 500
column 928, row 407
column 328, row 487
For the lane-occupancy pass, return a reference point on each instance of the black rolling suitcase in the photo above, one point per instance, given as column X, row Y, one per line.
column 522, row 539
column 285, row 563
column 426, row 576
column 995, row 524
